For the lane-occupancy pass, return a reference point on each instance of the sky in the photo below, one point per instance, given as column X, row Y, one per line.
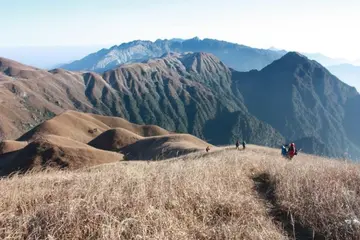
column 326, row 26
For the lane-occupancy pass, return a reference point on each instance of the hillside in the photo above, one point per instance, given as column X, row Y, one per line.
column 308, row 101
column 8, row 146
column 52, row 151
column 228, row 194
column 83, row 127
column 74, row 140
column 181, row 93
column 164, row 147
column 239, row 57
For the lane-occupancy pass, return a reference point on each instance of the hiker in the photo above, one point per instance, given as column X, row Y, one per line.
column 284, row 151
column 292, row 151
column 244, row 144
column 237, row 144
column 207, row 149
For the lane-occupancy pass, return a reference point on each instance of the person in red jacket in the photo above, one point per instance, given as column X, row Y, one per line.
column 292, row 150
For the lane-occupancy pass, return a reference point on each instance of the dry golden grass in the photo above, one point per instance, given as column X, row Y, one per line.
column 199, row 196
column 319, row 193
column 11, row 146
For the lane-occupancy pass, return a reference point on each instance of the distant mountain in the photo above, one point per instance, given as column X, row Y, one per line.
column 277, row 50
column 325, row 60
column 348, row 73
column 239, row 57
column 303, row 101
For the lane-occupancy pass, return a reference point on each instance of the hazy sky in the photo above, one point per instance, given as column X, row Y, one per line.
column 327, row 26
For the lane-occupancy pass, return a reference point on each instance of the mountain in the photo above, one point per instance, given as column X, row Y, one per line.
column 303, row 101
column 292, row 99
column 239, row 57
column 348, row 73
column 186, row 93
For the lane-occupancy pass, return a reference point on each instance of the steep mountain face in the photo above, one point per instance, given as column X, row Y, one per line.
column 180, row 92
column 352, row 119
column 302, row 100
column 239, row 57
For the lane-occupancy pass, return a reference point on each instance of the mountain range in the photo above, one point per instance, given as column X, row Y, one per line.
column 291, row 99
column 239, row 57
column 236, row 56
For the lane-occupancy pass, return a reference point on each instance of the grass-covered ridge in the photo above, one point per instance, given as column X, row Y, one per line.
column 252, row 194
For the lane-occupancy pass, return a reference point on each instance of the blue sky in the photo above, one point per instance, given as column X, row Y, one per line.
column 329, row 27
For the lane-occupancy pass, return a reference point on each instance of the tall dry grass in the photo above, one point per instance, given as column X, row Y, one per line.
column 199, row 196
column 319, row 193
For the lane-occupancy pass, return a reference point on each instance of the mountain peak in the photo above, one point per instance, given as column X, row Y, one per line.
column 195, row 39
column 295, row 55
column 291, row 60
column 202, row 62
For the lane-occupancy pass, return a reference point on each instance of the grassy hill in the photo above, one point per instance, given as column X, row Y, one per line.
column 75, row 140
column 225, row 194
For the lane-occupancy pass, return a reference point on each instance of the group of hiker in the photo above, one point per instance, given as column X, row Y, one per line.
column 289, row 150
column 237, row 144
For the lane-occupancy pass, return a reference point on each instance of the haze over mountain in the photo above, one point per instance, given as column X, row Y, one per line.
column 236, row 56
column 348, row 73
column 47, row 57
column 325, row 60
column 239, row 57
column 294, row 98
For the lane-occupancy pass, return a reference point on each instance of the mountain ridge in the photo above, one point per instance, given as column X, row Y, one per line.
column 140, row 50
column 197, row 93
column 235, row 56
column 178, row 92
